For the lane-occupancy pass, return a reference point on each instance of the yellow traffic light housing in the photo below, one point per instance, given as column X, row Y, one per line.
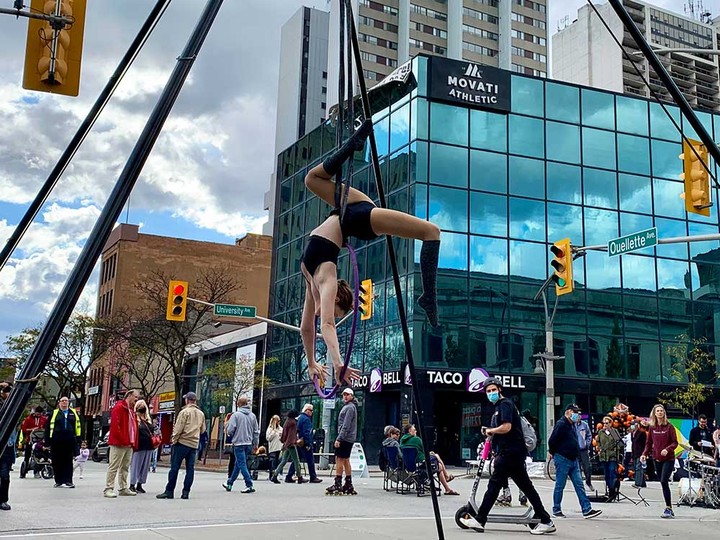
column 562, row 266
column 366, row 299
column 696, row 178
column 52, row 55
column 177, row 301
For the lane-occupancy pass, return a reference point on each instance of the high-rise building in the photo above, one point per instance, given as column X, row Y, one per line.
column 585, row 53
column 302, row 84
column 510, row 34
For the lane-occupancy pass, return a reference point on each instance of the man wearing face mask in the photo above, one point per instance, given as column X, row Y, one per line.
column 508, row 444
column 565, row 449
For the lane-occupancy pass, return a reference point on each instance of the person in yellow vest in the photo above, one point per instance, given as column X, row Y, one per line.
column 62, row 435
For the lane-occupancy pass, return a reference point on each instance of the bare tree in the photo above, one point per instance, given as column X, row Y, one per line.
column 69, row 362
column 157, row 347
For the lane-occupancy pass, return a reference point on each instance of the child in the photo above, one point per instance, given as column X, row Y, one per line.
column 81, row 459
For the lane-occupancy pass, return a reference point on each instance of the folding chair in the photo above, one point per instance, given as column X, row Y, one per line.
column 392, row 468
column 414, row 475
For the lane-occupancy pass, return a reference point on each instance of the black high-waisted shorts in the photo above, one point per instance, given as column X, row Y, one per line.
column 357, row 221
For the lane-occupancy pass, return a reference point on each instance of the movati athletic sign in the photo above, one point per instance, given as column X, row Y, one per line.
column 469, row 84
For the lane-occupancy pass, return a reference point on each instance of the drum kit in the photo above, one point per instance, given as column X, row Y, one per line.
column 703, row 486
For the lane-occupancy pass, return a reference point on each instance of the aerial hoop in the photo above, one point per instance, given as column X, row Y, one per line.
column 322, row 392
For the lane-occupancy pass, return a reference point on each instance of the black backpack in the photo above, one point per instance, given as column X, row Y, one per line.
column 382, row 459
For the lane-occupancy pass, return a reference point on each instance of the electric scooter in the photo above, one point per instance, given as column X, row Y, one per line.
column 465, row 516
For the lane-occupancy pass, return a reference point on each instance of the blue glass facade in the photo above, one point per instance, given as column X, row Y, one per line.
column 566, row 161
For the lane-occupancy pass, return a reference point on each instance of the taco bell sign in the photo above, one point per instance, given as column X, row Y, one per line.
column 376, row 380
column 477, row 376
column 469, row 84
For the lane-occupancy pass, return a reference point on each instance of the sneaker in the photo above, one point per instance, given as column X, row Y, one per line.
column 315, row 480
column 4, row 506
column 248, row 490
column 109, row 493
column 543, row 528
column 592, row 513
column 228, row 487
column 668, row 514
column 559, row 514
column 57, row 485
column 126, row 493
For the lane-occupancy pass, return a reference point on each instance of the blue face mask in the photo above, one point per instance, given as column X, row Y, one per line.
column 575, row 417
column 493, row 396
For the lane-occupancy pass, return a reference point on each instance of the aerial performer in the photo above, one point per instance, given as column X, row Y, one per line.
column 328, row 297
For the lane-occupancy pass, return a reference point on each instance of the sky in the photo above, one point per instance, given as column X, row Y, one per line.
column 209, row 170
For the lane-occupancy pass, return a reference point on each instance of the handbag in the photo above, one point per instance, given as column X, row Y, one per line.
column 156, row 441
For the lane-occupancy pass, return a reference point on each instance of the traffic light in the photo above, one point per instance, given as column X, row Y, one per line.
column 52, row 55
column 562, row 264
column 366, row 299
column 177, row 301
column 696, row 178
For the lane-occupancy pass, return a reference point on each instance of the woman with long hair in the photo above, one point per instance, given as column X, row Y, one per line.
column 273, row 435
column 325, row 295
column 143, row 451
column 289, row 449
column 610, row 447
column 661, row 444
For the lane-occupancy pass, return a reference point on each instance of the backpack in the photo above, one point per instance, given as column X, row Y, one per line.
column 382, row 459
column 529, row 434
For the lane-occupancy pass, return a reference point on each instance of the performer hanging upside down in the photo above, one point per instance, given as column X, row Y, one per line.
column 325, row 295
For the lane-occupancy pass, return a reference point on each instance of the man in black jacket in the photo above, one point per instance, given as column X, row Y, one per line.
column 701, row 437
column 565, row 450
column 62, row 435
column 508, row 444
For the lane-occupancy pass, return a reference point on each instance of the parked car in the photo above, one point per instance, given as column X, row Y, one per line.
column 102, row 449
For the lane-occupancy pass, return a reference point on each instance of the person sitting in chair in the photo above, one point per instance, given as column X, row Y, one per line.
column 410, row 439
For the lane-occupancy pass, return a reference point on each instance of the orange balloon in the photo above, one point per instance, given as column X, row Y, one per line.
column 598, row 426
column 615, row 424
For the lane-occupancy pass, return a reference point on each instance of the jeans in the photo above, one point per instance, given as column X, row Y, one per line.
column 178, row 454
column 307, row 453
column 290, row 453
column 241, row 452
column 563, row 468
column 610, row 470
column 511, row 466
column 586, row 466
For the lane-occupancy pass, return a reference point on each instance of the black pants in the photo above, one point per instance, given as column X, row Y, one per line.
column 62, row 453
column 664, row 470
column 511, row 466
column 585, row 465
column 6, row 460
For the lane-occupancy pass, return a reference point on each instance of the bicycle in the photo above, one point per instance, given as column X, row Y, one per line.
column 550, row 469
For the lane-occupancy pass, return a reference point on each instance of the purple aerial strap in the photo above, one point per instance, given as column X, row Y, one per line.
column 325, row 394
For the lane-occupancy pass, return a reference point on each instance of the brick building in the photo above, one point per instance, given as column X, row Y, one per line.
column 131, row 257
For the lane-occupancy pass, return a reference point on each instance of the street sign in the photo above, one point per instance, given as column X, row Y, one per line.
column 633, row 242
column 231, row 310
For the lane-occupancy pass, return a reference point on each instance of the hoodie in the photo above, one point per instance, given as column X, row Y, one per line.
column 413, row 441
column 242, row 429
column 389, row 441
column 347, row 422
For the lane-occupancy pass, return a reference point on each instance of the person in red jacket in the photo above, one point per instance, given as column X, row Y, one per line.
column 34, row 421
column 661, row 444
column 122, row 438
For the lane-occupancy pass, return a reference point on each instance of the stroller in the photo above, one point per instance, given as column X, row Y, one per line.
column 39, row 461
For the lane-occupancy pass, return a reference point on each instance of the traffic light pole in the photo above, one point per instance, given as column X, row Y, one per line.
column 48, row 338
column 56, row 21
column 82, row 132
column 548, row 358
column 673, row 240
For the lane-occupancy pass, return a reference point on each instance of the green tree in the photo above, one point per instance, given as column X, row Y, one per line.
column 226, row 380
column 690, row 361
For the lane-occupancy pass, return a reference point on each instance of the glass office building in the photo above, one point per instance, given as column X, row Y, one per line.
column 507, row 164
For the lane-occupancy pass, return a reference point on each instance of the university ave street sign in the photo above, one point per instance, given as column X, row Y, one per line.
column 633, row 242
column 231, row 310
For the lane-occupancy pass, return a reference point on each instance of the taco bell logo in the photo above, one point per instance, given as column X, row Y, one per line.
column 376, row 380
column 476, row 379
column 407, row 378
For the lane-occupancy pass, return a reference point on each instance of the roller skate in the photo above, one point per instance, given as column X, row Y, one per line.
column 336, row 488
column 348, row 488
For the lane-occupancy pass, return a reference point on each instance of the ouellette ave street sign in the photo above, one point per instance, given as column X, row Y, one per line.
column 232, row 310
column 633, row 242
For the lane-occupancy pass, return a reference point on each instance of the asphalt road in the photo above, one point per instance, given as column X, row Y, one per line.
column 302, row 511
